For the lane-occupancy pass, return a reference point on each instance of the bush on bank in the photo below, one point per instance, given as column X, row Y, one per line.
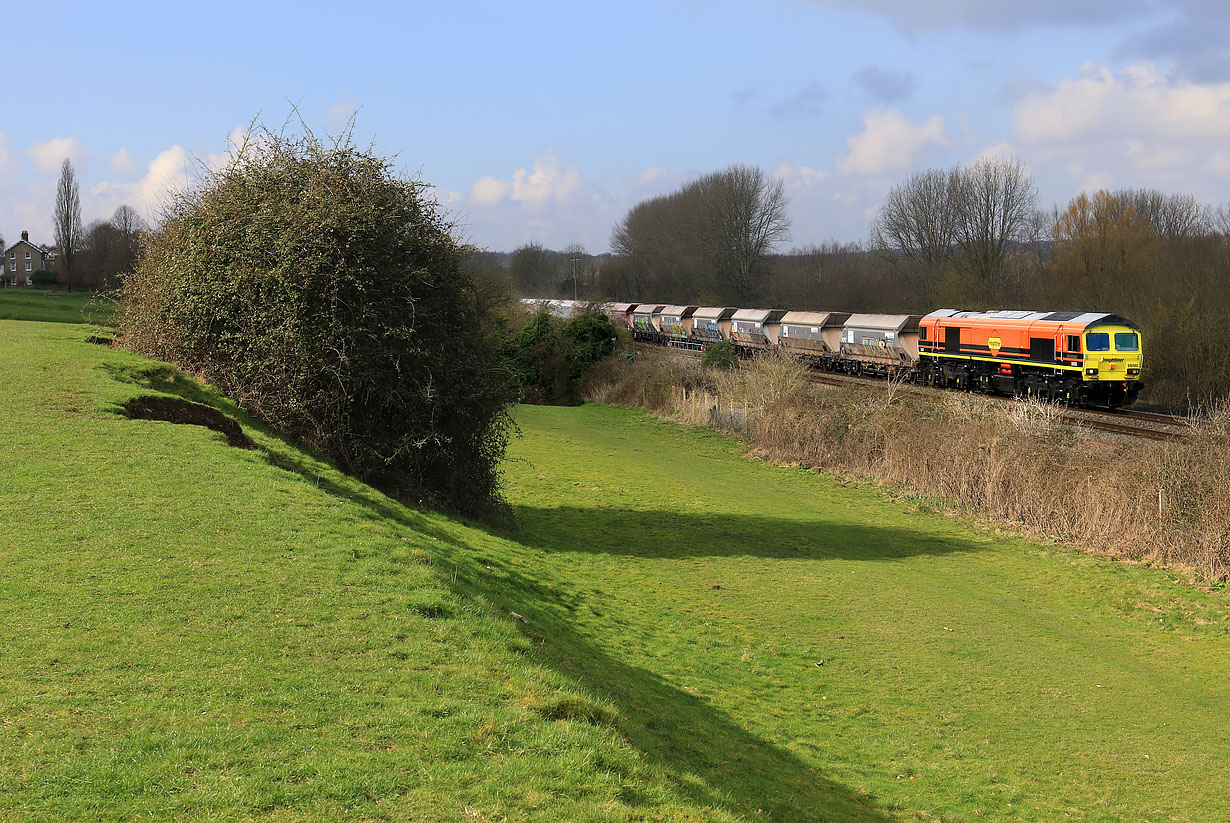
column 551, row 355
column 324, row 293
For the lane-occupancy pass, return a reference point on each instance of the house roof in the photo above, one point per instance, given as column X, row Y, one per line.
column 37, row 248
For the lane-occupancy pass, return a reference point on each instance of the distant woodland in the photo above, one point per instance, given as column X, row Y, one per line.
column 969, row 237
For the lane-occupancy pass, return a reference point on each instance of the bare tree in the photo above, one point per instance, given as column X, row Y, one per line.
column 918, row 221
column 67, row 217
column 1172, row 216
column 129, row 223
column 709, row 238
column 746, row 215
column 1221, row 219
column 995, row 213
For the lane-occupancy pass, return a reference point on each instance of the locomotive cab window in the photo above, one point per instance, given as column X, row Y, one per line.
column 1127, row 341
column 922, row 332
column 1074, row 342
column 1097, row 341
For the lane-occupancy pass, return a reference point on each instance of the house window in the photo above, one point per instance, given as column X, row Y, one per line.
column 27, row 255
column 13, row 265
column 29, row 266
column 12, row 255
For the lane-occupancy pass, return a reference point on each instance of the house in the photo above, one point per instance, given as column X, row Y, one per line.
column 22, row 259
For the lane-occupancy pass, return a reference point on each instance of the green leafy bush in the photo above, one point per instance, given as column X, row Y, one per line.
column 720, row 354
column 43, row 277
column 324, row 293
column 551, row 355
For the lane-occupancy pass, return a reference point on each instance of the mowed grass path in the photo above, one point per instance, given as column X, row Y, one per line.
column 194, row 631
column 761, row 626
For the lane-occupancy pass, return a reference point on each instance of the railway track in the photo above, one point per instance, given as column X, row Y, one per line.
column 1121, row 422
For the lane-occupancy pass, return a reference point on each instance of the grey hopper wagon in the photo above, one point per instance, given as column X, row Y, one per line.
column 621, row 314
column 710, row 323
column 813, row 333
column 676, row 321
column 880, row 343
column 756, row 328
column 645, row 319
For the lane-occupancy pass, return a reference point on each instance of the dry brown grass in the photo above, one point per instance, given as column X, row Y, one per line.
column 1015, row 463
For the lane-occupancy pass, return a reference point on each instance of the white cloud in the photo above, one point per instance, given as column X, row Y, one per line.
column 649, row 177
column 50, row 155
column 889, row 142
column 549, row 201
column 341, row 111
column 488, row 190
column 1000, row 150
column 1139, row 127
column 794, row 176
column 546, row 182
column 170, row 171
column 121, row 162
column 1140, row 100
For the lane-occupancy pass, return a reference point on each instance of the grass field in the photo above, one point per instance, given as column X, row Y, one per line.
column 193, row 630
column 54, row 307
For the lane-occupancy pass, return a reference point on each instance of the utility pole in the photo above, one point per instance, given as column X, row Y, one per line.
column 574, row 277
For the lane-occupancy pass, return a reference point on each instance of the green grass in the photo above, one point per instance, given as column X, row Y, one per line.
column 54, row 307
column 190, row 630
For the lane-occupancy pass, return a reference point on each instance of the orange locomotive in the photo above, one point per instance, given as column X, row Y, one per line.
column 1073, row 357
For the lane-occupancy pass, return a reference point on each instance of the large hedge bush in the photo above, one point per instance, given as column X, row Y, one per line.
column 551, row 355
column 324, row 293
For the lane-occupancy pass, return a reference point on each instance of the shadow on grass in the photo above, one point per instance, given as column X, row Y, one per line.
column 293, row 456
column 708, row 756
column 673, row 535
column 704, row 753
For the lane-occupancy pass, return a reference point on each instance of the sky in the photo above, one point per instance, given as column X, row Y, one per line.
column 546, row 121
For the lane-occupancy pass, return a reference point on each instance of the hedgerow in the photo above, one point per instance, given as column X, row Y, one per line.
column 323, row 292
column 552, row 355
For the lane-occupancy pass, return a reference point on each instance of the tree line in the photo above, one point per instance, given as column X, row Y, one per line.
column 95, row 255
column 972, row 236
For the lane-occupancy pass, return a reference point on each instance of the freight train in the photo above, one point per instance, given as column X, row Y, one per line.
column 1076, row 358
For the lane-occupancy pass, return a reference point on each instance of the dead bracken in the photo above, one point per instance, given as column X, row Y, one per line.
column 175, row 410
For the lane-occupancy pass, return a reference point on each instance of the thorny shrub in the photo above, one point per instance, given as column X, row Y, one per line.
column 324, row 293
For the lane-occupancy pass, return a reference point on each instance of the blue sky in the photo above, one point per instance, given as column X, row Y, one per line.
column 546, row 121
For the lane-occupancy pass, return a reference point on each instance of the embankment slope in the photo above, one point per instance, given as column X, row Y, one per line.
column 194, row 629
